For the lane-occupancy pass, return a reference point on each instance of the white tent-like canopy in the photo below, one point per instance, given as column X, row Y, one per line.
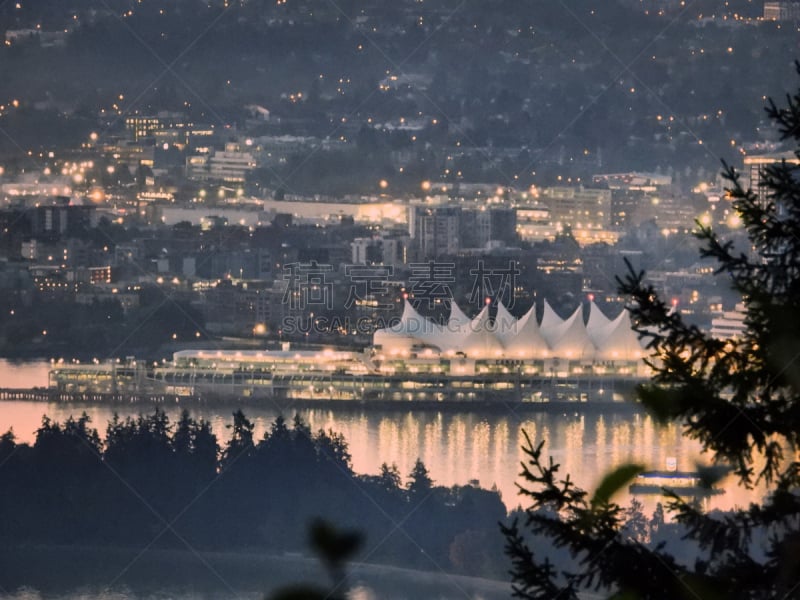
column 527, row 341
column 400, row 337
column 506, row 326
column 550, row 321
column 570, row 339
column 617, row 340
column 506, row 337
column 597, row 320
column 456, row 330
column 481, row 339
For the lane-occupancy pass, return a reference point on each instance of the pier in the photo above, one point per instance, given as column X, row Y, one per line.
column 55, row 395
column 287, row 404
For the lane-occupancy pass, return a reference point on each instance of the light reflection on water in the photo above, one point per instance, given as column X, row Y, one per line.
column 456, row 447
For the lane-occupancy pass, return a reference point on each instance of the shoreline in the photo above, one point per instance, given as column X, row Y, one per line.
column 51, row 396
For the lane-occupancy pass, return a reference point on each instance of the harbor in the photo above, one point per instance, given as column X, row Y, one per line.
column 483, row 360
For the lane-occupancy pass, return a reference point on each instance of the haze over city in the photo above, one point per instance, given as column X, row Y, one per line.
column 291, row 292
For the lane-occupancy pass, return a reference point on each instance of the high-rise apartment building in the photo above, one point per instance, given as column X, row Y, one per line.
column 754, row 169
column 435, row 230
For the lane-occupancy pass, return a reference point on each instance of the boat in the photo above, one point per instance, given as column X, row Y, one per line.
column 690, row 484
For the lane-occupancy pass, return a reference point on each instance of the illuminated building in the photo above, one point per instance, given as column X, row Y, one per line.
column 782, row 11
column 480, row 227
column 755, row 164
column 231, row 165
column 380, row 250
column 534, row 223
column 729, row 324
column 633, row 181
column 505, row 337
column 579, row 207
column 129, row 154
column 141, row 127
column 445, row 230
column 435, row 230
column 415, row 359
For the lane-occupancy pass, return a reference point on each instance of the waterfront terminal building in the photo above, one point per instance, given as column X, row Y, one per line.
column 465, row 359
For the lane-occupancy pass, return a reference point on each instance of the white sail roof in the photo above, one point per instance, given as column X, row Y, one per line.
column 398, row 338
column 456, row 330
column 505, row 336
column 392, row 342
column 618, row 341
column 480, row 340
column 408, row 320
column 412, row 329
column 597, row 320
column 505, row 325
column 528, row 341
column 550, row 321
column 570, row 339
column 457, row 316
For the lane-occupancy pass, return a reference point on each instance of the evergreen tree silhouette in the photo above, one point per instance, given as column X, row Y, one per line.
column 740, row 398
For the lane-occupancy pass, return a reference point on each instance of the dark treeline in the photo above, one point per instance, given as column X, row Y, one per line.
column 150, row 482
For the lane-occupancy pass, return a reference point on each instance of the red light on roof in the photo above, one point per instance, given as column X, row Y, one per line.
column 487, row 301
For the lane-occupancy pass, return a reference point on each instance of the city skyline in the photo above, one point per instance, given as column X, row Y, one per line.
column 372, row 271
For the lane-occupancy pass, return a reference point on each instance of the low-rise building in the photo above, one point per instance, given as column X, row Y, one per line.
column 785, row 10
column 230, row 165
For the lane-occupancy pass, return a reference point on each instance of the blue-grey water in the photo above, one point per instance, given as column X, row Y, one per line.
column 457, row 447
